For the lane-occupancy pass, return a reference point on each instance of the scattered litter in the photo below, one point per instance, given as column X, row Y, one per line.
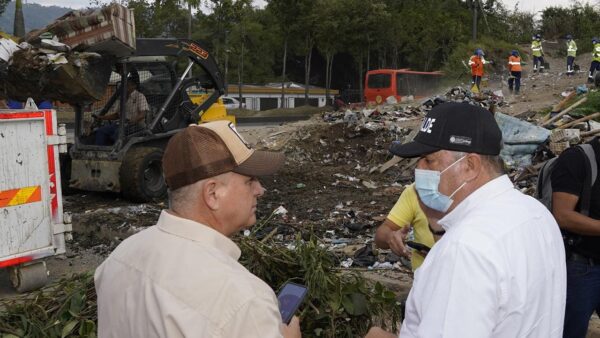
column 382, row 266
column 347, row 263
column 582, row 89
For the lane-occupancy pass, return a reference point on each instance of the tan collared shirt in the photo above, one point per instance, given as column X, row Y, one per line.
column 180, row 278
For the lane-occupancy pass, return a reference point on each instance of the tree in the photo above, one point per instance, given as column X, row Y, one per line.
column 3, row 4
column 328, row 30
column 190, row 4
column 307, row 27
column 365, row 26
column 226, row 14
column 19, row 24
column 286, row 13
column 159, row 18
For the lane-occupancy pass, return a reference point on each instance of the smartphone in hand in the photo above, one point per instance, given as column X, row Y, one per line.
column 421, row 248
column 290, row 297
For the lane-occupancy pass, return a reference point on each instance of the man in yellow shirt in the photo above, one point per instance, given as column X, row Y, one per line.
column 406, row 213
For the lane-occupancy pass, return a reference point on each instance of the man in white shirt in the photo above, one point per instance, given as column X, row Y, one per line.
column 499, row 270
column 181, row 277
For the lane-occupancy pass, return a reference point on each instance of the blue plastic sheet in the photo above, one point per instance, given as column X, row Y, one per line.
column 520, row 138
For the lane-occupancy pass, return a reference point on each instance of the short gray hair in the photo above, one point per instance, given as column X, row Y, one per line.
column 494, row 163
column 179, row 198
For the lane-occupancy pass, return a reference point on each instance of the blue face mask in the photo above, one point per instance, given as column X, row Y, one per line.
column 427, row 185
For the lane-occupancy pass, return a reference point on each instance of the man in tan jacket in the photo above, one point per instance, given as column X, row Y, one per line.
column 181, row 277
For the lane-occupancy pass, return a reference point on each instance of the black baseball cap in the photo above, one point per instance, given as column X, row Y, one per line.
column 457, row 127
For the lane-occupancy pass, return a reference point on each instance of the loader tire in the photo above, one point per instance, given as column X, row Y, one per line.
column 141, row 175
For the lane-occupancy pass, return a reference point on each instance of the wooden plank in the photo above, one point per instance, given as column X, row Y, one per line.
column 583, row 119
column 590, row 133
column 387, row 165
column 559, row 115
column 559, row 106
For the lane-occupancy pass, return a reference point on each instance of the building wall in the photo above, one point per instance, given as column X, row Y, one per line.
column 257, row 101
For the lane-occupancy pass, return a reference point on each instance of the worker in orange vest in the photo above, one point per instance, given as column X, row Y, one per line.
column 476, row 62
column 514, row 67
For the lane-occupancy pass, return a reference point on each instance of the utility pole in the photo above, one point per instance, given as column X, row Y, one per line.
column 226, row 62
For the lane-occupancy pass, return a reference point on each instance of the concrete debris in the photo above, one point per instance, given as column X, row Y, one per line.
column 566, row 135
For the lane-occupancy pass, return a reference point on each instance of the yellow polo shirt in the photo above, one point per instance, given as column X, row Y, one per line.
column 407, row 211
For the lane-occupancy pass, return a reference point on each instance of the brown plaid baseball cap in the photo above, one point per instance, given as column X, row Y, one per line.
column 210, row 149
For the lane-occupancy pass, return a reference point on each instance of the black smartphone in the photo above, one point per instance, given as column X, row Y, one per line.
column 418, row 246
column 290, row 297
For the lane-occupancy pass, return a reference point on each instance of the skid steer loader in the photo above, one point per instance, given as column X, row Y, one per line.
column 132, row 163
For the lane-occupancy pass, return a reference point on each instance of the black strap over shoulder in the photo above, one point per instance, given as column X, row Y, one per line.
column 591, row 174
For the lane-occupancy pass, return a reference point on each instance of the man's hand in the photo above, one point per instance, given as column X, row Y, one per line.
column 396, row 240
column 377, row 332
column 292, row 330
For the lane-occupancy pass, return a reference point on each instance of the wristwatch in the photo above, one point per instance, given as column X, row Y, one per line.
column 437, row 233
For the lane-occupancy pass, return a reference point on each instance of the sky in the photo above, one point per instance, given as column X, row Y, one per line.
column 526, row 5
column 537, row 5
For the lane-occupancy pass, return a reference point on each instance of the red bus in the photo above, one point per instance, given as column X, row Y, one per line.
column 382, row 83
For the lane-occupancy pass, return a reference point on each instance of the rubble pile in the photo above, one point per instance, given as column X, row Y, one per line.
column 51, row 71
column 352, row 155
column 70, row 60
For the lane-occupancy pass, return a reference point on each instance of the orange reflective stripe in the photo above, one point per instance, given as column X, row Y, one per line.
column 9, row 198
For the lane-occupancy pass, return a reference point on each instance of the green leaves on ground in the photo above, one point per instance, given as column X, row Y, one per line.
column 64, row 309
column 339, row 304
column 591, row 106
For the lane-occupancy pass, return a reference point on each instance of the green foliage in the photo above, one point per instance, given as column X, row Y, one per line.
column 161, row 18
column 66, row 309
column 580, row 20
column 3, row 4
column 495, row 50
column 19, row 23
column 338, row 304
column 591, row 106
column 249, row 43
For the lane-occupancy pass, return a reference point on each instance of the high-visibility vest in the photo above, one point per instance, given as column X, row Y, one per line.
column 536, row 48
column 514, row 63
column 571, row 48
column 476, row 64
column 596, row 51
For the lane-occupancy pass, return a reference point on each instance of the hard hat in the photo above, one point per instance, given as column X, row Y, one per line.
column 479, row 52
column 594, row 40
column 514, row 52
column 569, row 37
column 538, row 37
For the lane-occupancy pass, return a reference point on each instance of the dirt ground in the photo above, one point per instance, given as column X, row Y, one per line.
column 330, row 185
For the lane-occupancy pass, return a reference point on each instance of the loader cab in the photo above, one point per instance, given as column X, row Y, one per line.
column 152, row 77
column 164, row 73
